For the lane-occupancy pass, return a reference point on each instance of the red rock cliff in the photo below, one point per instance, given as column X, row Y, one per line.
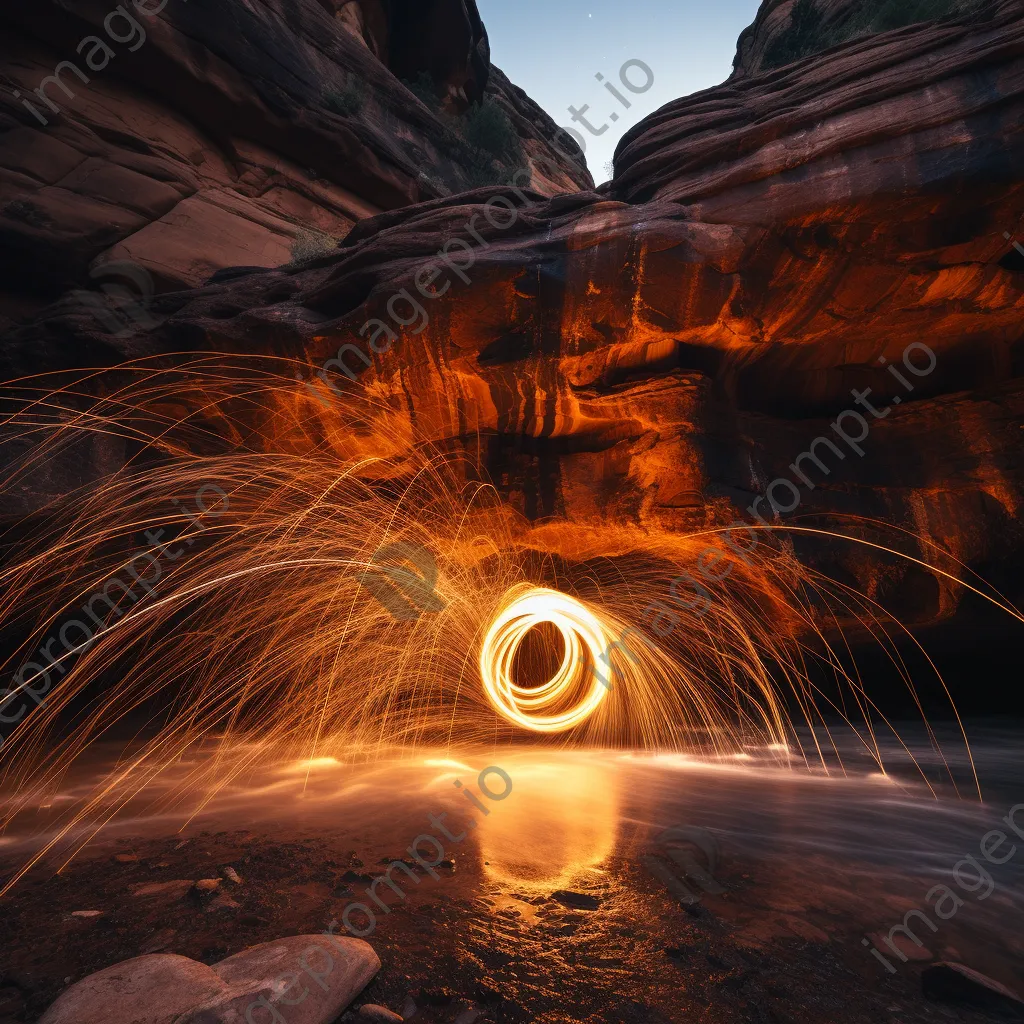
column 217, row 131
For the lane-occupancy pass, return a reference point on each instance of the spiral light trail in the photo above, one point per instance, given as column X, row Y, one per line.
column 582, row 633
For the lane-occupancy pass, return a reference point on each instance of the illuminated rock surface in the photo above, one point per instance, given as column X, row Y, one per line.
column 653, row 356
column 156, row 989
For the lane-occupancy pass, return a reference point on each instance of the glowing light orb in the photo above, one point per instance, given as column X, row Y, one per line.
column 582, row 633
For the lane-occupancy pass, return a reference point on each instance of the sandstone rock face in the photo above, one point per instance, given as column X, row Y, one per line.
column 649, row 359
column 217, row 131
column 789, row 30
column 443, row 38
column 874, row 124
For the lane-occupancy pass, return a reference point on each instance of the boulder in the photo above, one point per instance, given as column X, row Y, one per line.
column 314, row 976
column 154, row 989
column 309, row 978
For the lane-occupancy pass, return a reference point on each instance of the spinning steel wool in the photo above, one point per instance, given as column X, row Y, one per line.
column 260, row 622
column 583, row 635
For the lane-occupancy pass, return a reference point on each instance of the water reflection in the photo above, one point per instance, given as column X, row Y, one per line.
column 560, row 823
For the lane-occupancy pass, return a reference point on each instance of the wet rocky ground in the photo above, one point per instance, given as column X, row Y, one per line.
column 779, row 944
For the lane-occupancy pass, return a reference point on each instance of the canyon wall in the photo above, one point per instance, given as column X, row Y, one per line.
column 654, row 357
column 786, row 31
column 191, row 135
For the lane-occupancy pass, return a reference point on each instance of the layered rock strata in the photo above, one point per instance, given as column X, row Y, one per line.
column 653, row 358
column 186, row 137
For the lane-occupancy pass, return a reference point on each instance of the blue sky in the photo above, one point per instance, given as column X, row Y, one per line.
column 554, row 48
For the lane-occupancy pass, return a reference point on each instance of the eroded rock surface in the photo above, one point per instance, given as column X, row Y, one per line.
column 219, row 130
column 653, row 356
column 311, row 977
column 156, row 989
column 785, row 31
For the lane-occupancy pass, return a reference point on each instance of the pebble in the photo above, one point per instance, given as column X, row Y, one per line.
column 169, row 890
column 231, row 874
column 126, row 858
column 86, row 913
column 579, row 900
column 373, row 1014
column 207, row 884
column 222, row 902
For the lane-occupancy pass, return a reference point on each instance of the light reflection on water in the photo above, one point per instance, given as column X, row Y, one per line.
column 570, row 811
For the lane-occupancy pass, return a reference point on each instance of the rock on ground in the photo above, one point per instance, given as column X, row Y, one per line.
column 152, row 989
column 956, row 983
column 314, row 976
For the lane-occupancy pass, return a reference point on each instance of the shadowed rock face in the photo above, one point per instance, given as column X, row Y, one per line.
column 653, row 356
column 451, row 29
column 789, row 30
column 229, row 128
column 443, row 38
